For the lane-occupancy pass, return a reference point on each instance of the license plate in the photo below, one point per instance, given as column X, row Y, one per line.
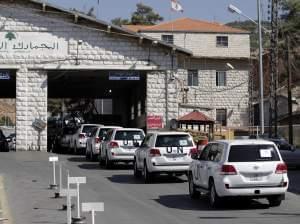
column 255, row 178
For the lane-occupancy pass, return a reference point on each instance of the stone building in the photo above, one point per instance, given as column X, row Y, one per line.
column 215, row 79
column 49, row 52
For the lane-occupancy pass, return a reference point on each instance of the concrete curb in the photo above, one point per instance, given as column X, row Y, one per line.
column 5, row 215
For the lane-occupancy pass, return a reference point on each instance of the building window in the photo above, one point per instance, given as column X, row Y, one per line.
column 220, row 78
column 222, row 41
column 192, row 78
column 221, row 116
column 168, row 39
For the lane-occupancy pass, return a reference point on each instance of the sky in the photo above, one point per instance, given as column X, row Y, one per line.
column 210, row 10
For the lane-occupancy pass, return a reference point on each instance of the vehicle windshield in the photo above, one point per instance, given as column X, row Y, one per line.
column 88, row 128
column 252, row 153
column 174, row 141
column 129, row 135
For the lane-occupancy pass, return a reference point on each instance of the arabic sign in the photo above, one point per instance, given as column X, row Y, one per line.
column 4, row 75
column 32, row 43
column 124, row 75
column 154, row 122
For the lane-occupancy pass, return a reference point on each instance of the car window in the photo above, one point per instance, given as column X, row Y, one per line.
column 252, row 153
column 88, row 128
column 204, row 153
column 129, row 135
column 214, row 153
column 173, row 141
column 93, row 132
column 103, row 132
column 108, row 135
column 146, row 141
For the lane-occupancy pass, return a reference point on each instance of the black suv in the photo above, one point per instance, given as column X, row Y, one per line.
column 3, row 143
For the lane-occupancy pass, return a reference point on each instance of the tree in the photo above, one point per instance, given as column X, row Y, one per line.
column 144, row 15
column 119, row 21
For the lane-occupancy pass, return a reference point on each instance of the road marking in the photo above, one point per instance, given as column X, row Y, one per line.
column 4, row 205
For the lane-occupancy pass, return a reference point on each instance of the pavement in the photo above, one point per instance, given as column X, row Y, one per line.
column 27, row 176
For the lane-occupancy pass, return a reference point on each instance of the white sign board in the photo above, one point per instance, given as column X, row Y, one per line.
column 92, row 206
column 53, row 159
column 33, row 43
column 72, row 192
column 77, row 180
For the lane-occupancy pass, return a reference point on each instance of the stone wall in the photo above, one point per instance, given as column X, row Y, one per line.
column 204, row 44
column 233, row 97
column 31, row 104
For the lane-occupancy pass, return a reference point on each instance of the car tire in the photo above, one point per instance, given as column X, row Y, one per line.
column 148, row 176
column 93, row 157
column 214, row 199
column 136, row 172
column 275, row 201
column 194, row 194
column 75, row 149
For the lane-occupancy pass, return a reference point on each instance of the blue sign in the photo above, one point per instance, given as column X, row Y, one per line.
column 4, row 75
column 124, row 75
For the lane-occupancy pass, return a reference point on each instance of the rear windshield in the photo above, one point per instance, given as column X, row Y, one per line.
column 129, row 135
column 252, row 153
column 173, row 141
column 103, row 132
column 88, row 129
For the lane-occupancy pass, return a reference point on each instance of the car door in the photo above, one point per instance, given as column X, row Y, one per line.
column 141, row 151
column 199, row 165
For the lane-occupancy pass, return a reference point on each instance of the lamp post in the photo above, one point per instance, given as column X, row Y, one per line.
column 234, row 9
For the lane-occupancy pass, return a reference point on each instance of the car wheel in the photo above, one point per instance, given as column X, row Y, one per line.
column 194, row 194
column 147, row 175
column 108, row 163
column 214, row 199
column 87, row 155
column 275, row 201
column 75, row 148
column 136, row 171
column 93, row 157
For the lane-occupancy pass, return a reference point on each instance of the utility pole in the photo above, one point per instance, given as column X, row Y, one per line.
column 273, row 115
column 290, row 105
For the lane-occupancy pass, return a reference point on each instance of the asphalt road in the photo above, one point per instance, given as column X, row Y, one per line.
column 127, row 200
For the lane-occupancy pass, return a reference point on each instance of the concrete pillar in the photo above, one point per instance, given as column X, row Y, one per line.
column 31, row 104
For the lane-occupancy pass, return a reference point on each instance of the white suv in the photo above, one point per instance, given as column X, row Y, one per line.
column 164, row 152
column 249, row 168
column 120, row 145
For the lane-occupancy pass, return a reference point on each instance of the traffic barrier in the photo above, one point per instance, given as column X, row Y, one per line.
column 93, row 207
column 53, row 159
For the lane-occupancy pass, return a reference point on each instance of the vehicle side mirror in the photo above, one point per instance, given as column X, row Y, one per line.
column 136, row 144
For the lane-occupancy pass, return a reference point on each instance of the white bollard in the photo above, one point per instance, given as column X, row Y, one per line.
column 53, row 159
column 93, row 207
column 77, row 181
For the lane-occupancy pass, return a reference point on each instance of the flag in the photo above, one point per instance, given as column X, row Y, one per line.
column 176, row 6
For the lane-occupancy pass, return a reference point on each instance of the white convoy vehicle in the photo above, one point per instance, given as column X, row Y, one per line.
column 164, row 152
column 120, row 145
column 93, row 144
column 79, row 138
column 239, row 168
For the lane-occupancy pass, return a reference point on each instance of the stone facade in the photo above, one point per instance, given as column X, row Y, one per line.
column 101, row 49
column 204, row 44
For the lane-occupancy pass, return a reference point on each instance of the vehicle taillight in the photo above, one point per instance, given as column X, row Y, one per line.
column 281, row 168
column 113, row 145
column 154, row 152
column 228, row 170
column 97, row 140
column 81, row 135
column 193, row 151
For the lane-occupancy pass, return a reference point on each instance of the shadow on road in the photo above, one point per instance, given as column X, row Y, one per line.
column 186, row 203
column 130, row 179
column 77, row 159
column 90, row 166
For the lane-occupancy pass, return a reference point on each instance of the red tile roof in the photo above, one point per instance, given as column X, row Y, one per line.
column 187, row 25
column 196, row 116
